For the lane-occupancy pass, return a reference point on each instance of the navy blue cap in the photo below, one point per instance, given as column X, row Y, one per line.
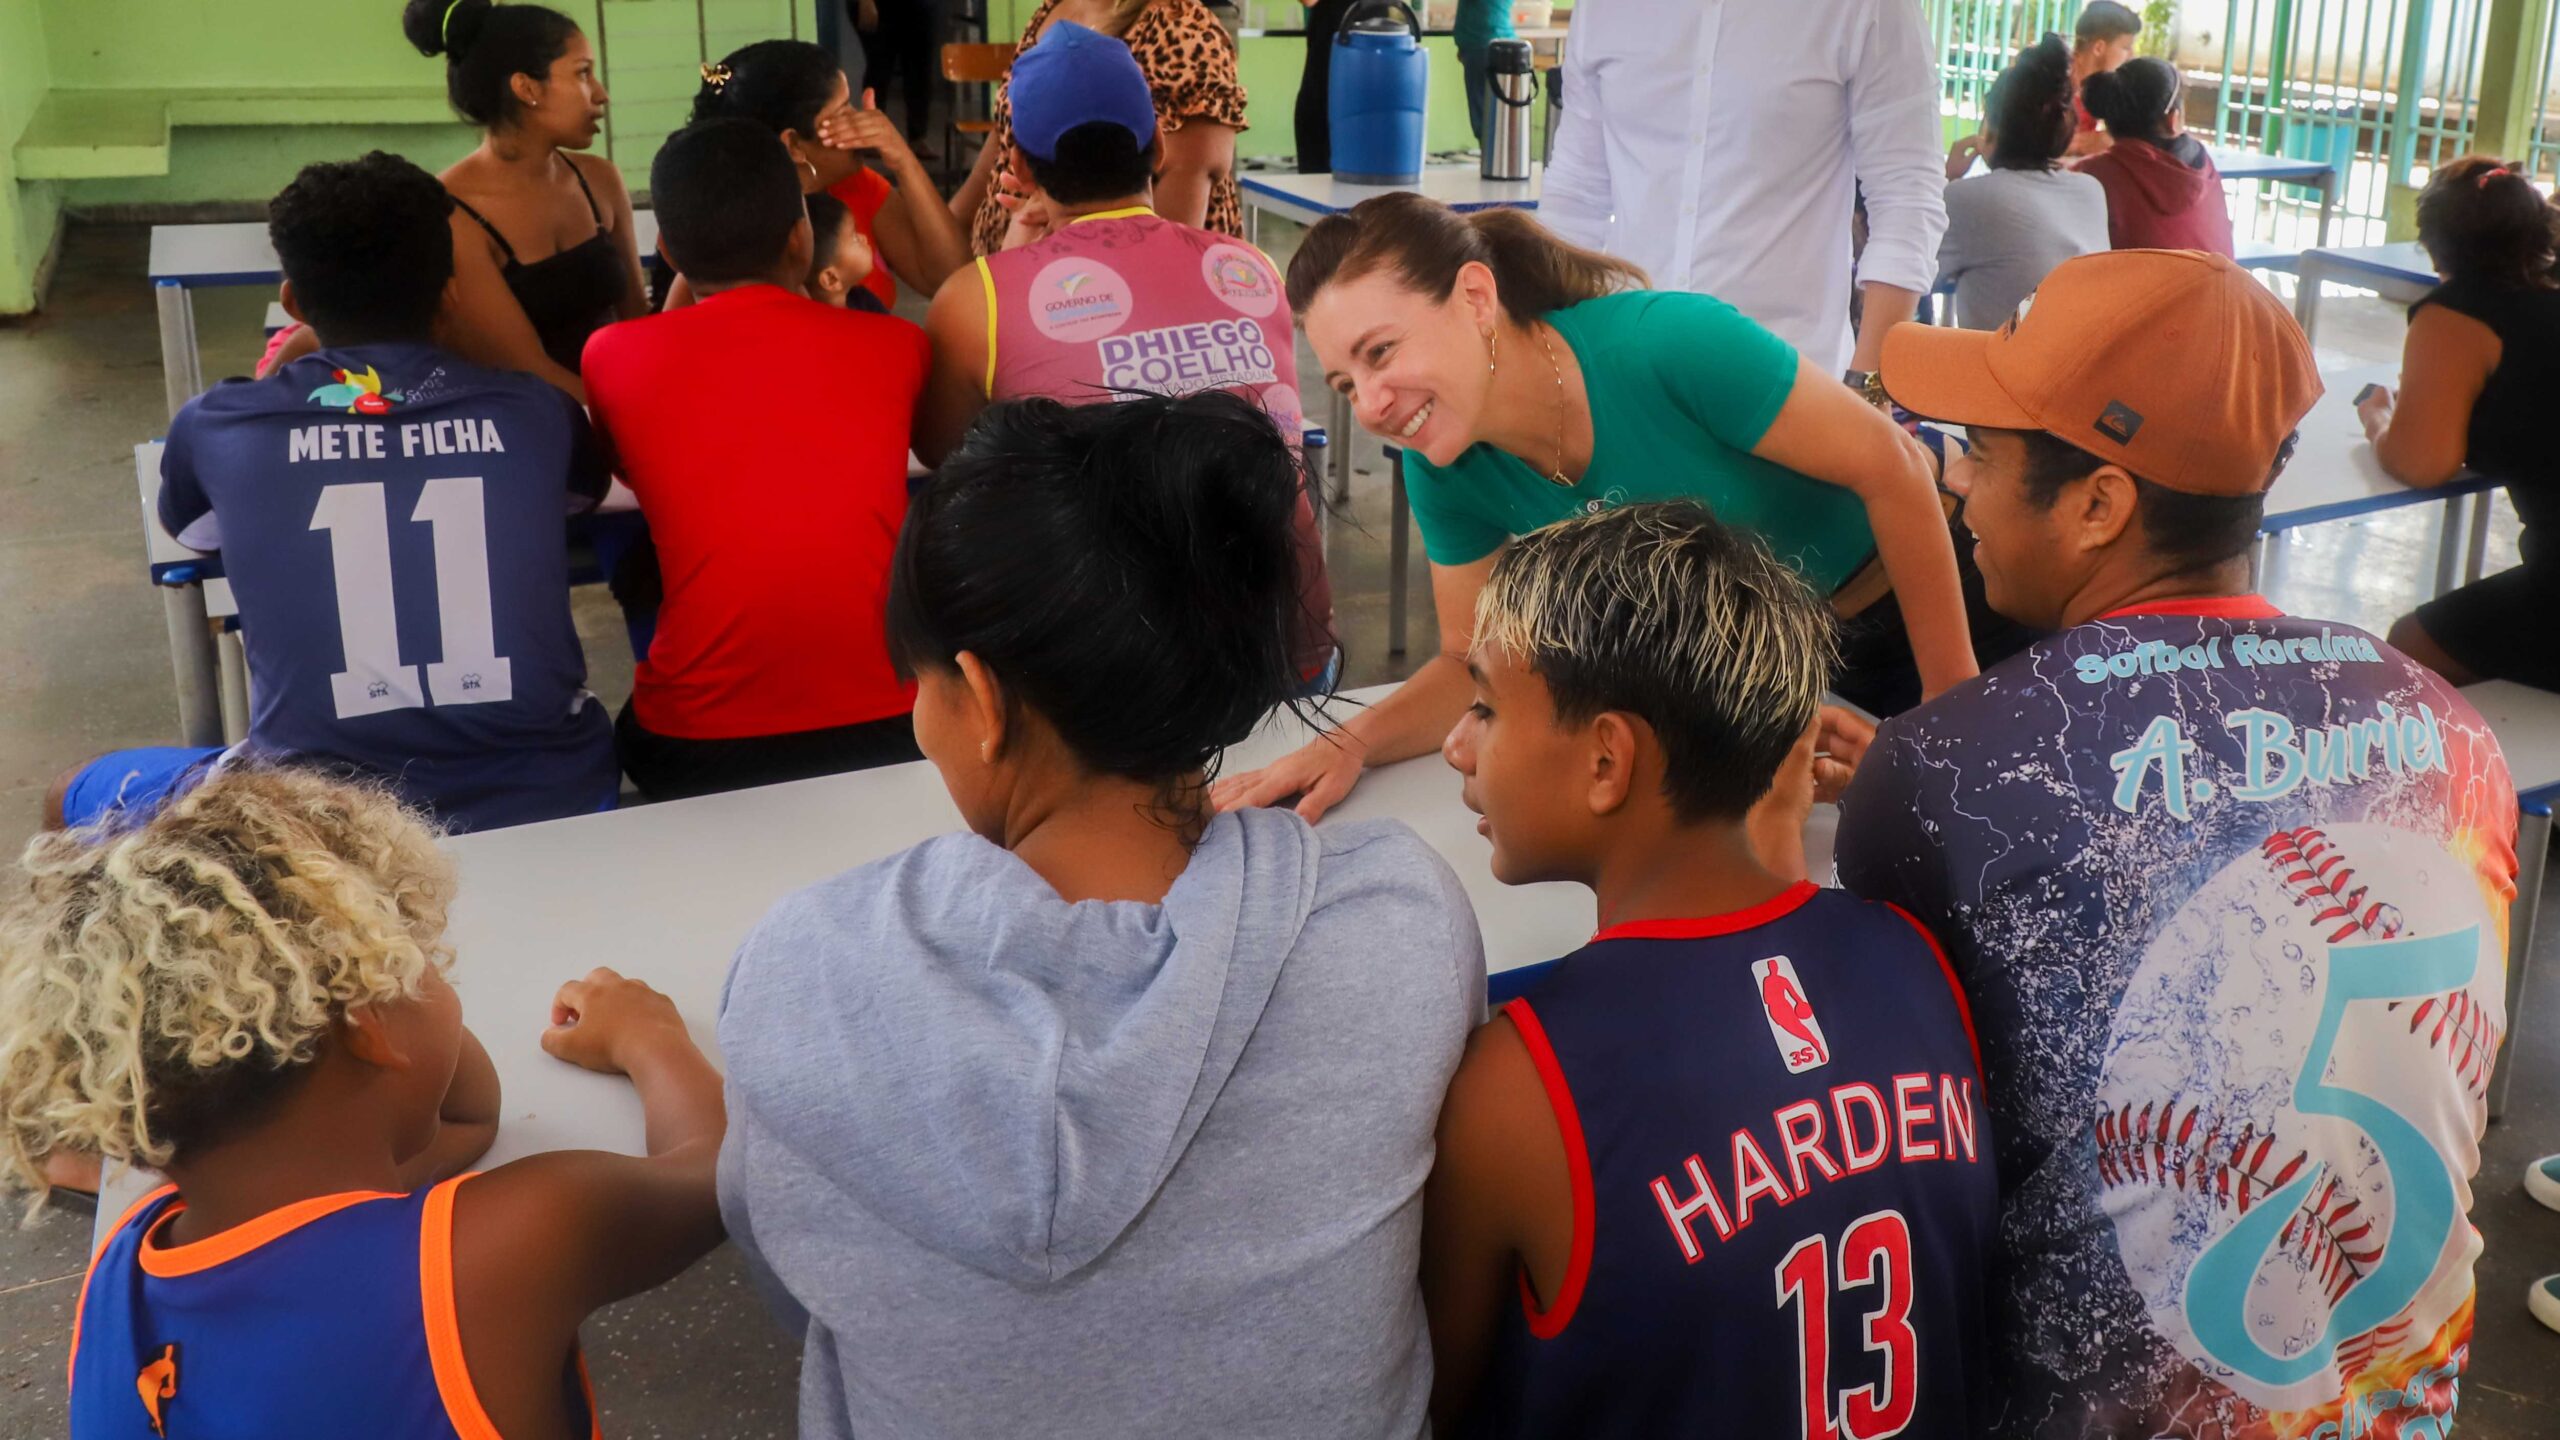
column 1075, row 76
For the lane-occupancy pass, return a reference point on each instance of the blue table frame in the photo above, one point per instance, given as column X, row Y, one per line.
column 2398, row 271
column 2252, row 165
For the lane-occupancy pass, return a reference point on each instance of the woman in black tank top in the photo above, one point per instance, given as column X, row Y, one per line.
column 2477, row 376
column 543, row 249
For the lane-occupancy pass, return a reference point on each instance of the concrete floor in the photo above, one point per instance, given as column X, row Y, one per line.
column 84, row 667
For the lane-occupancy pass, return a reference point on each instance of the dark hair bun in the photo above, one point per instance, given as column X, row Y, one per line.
column 2029, row 108
column 485, row 47
column 779, row 84
column 443, row 27
column 2134, row 98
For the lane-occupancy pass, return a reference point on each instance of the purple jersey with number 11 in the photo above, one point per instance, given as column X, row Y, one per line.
column 1783, row 1191
column 390, row 519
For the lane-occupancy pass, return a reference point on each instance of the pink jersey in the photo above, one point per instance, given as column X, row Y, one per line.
column 1125, row 302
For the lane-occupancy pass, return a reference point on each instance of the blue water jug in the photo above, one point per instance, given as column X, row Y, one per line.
column 1381, row 84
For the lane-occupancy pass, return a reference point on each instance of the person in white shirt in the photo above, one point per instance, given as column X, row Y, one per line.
column 1721, row 145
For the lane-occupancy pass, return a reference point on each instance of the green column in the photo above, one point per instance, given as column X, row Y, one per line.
column 2519, row 34
column 2400, row 198
column 2279, row 78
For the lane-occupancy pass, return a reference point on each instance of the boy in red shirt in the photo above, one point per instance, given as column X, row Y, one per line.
column 766, row 436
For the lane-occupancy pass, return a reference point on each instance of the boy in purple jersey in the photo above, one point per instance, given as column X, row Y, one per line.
column 1722, row 1171
column 389, row 517
column 2228, row 890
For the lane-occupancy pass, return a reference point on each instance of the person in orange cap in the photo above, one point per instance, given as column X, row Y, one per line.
column 2227, row 889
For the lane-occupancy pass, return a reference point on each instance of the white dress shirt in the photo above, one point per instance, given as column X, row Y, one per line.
column 1720, row 143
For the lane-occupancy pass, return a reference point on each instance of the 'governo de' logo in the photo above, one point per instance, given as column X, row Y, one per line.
column 1075, row 299
column 357, row 393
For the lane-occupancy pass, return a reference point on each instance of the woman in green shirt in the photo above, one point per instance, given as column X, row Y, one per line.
column 1526, row 383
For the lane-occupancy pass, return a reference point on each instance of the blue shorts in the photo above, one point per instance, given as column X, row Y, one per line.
column 132, row 785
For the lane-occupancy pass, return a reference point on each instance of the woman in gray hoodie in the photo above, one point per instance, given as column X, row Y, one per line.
column 1110, row 1116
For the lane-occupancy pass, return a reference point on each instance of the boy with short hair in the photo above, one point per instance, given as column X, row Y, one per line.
column 2103, row 40
column 765, row 434
column 2228, row 889
column 840, row 259
column 247, row 992
column 1683, row 1174
column 389, row 517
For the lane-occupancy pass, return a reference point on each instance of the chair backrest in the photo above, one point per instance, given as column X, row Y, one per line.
column 976, row 64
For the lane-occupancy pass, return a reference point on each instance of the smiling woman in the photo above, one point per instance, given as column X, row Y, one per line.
column 543, row 248
column 1529, row 381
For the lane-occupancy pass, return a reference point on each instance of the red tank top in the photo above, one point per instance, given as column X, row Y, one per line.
column 1126, row 301
column 863, row 193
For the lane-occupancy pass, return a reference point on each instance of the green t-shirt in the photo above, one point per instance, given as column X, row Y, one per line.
column 1682, row 386
column 1481, row 22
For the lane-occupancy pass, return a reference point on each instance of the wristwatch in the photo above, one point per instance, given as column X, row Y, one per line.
column 1870, row 386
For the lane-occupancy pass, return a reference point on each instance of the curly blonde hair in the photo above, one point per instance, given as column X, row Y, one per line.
column 159, row 982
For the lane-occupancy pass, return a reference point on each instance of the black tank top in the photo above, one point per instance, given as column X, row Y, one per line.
column 569, row 295
column 2510, row 434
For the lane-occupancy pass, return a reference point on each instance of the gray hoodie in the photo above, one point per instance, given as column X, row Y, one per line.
column 1015, row 1166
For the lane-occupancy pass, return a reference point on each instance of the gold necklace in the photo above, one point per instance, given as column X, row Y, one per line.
column 1562, row 409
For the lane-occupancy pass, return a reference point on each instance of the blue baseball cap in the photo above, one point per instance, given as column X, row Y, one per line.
column 1075, row 76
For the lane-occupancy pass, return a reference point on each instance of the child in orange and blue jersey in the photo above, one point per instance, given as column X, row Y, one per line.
column 247, row 993
column 1723, row 1170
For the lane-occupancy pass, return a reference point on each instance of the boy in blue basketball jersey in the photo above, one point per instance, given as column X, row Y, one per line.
column 246, row 991
column 1722, row 1171
column 389, row 517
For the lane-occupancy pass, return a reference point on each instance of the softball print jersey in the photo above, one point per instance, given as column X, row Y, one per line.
column 2228, row 891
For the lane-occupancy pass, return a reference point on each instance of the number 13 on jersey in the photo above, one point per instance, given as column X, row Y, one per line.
column 470, row 672
column 1875, row 1254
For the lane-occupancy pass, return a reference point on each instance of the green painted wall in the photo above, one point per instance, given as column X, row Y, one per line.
column 29, row 213
column 1271, row 68
column 251, row 163
column 258, row 44
column 651, row 50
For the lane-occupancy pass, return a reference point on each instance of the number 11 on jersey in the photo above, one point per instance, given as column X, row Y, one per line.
column 470, row 672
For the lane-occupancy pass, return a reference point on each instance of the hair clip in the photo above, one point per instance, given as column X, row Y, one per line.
column 2481, row 181
column 717, row 76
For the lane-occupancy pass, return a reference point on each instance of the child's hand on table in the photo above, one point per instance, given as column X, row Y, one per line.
column 604, row 1022
column 466, row 1124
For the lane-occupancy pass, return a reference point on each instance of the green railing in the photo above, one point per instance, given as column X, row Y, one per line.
column 2383, row 89
column 1976, row 40
column 2542, row 150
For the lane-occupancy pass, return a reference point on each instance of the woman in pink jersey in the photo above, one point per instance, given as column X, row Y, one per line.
column 1113, row 300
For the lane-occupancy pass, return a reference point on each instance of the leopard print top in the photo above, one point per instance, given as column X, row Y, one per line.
column 1190, row 63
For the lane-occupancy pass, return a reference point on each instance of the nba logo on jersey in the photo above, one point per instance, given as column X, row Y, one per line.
column 1791, row 1022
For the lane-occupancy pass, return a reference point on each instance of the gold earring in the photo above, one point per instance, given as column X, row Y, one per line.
column 808, row 164
column 1491, row 343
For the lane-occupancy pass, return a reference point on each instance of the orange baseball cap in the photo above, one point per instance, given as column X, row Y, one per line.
column 2174, row 364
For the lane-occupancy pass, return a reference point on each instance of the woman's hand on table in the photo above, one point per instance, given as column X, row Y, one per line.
column 1319, row 773
column 604, row 1021
column 2373, row 407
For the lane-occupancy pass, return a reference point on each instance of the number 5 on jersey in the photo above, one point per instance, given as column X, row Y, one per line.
column 1875, row 1252
column 470, row 672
